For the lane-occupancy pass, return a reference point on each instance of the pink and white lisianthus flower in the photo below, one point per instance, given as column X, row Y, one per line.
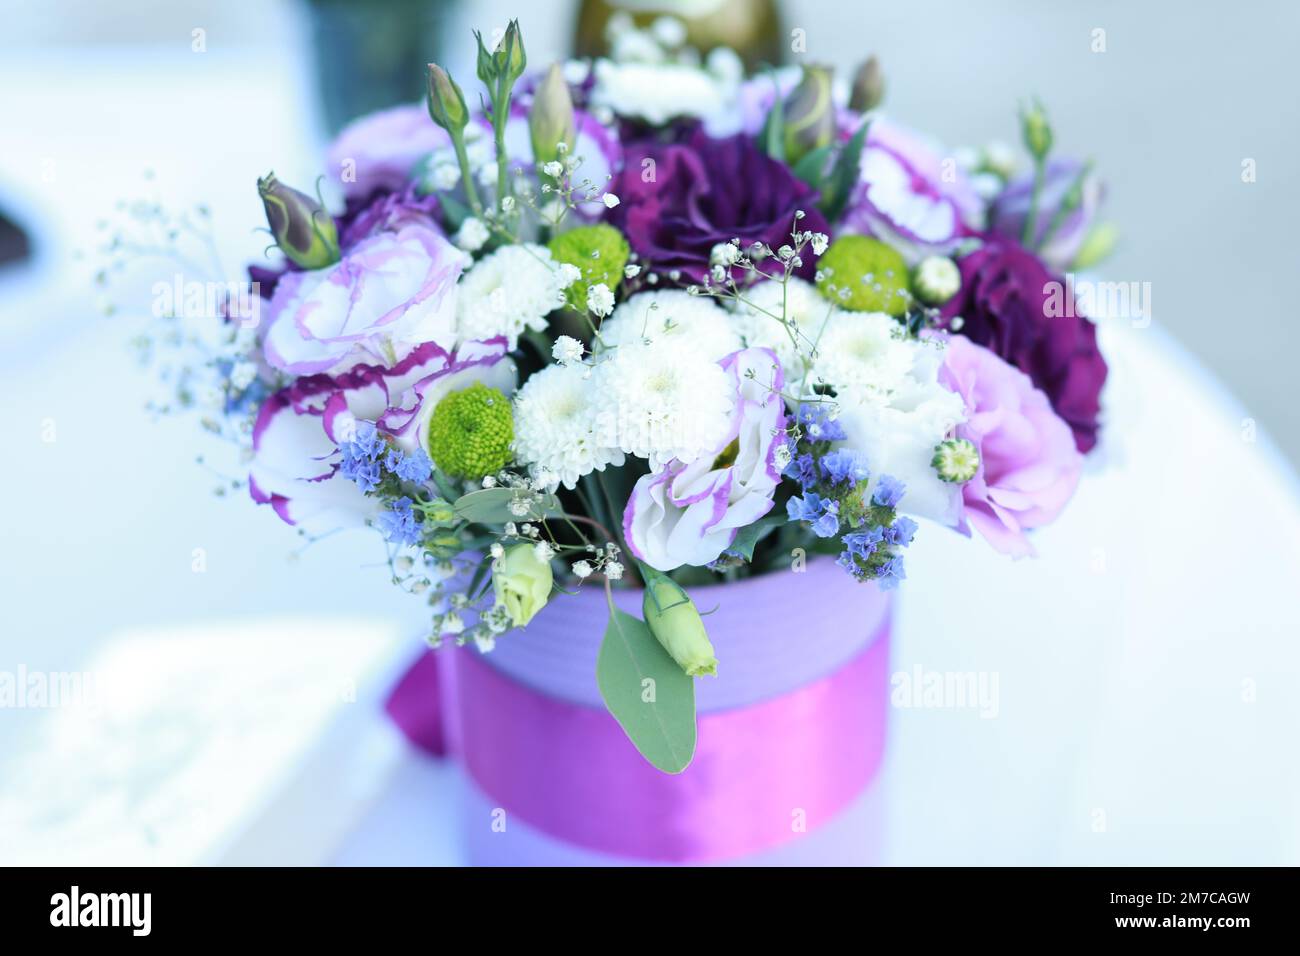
column 1029, row 465
column 381, row 150
column 912, row 196
column 296, row 437
column 691, row 513
column 389, row 294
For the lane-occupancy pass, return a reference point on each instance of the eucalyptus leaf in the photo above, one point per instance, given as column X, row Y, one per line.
column 492, row 506
column 647, row 692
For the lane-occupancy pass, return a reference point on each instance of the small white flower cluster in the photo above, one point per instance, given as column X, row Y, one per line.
column 600, row 561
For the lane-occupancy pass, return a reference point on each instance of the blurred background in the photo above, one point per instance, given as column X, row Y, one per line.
column 114, row 558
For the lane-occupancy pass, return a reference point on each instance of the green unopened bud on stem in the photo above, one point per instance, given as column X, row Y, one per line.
column 868, row 86
column 303, row 228
column 446, row 101
column 677, row 625
column 551, row 120
column 522, row 583
column 809, row 114
column 1036, row 131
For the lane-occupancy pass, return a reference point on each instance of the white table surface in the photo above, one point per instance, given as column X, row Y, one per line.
column 1146, row 662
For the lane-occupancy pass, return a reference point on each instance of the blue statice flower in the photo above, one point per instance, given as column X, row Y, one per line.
column 399, row 522
column 863, row 544
column 844, row 466
column 807, row 508
column 416, row 466
column 888, row 491
column 822, row 513
column 817, row 426
column 367, row 439
column 359, row 467
column 890, row 573
column 828, row 525
column 901, row 532
column 849, row 563
column 803, row 469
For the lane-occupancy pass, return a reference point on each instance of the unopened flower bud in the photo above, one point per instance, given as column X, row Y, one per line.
column 303, row 228
column 446, row 101
column 551, row 122
column 676, row 624
column 956, row 460
column 809, row 114
column 937, row 280
column 522, row 582
column 868, row 86
column 1036, row 130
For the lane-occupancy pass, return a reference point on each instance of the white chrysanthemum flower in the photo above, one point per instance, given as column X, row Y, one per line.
column 807, row 314
column 556, row 422
column 694, row 322
column 513, row 289
column 863, row 352
column 663, row 400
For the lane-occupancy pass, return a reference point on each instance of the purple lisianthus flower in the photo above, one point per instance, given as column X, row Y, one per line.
column 1011, row 209
column 379, row 151
column 1029, row 466
column 703, row 192
column 691, row 513
column 909, row 198
column 1004, row 305
column 387, row 295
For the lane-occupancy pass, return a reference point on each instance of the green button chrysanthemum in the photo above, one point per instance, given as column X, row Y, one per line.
column 864, row 275
column 956, row 460
column 470, row 432
column 600, row 252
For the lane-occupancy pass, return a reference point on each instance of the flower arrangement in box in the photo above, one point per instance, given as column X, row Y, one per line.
column 648, row 327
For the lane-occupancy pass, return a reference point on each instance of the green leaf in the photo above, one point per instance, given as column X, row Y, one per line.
column 771, row 139
column 748, row 536
column 648, row 694
column 492, row 506
column 844, row 175
column 812, row 167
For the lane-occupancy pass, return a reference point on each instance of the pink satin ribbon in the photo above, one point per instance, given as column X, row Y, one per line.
column 763, row 774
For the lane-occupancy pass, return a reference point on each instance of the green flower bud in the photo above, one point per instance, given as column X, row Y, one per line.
column 937, row 280
column 868, row 86
column 522, row 582
column 446, row 101
column 864, row 275
column 1097, row 245
column 1036, row 131
column 809, row 114
column 676, row 624
column 503, row 66
column 956, row 460
column 599, row 251
column 303, row 228
column 551, row 120
column 470, row 432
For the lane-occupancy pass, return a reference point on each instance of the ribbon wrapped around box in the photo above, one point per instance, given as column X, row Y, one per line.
column 791, row 732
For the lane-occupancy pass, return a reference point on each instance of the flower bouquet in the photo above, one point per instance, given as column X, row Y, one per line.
column 646, row 371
